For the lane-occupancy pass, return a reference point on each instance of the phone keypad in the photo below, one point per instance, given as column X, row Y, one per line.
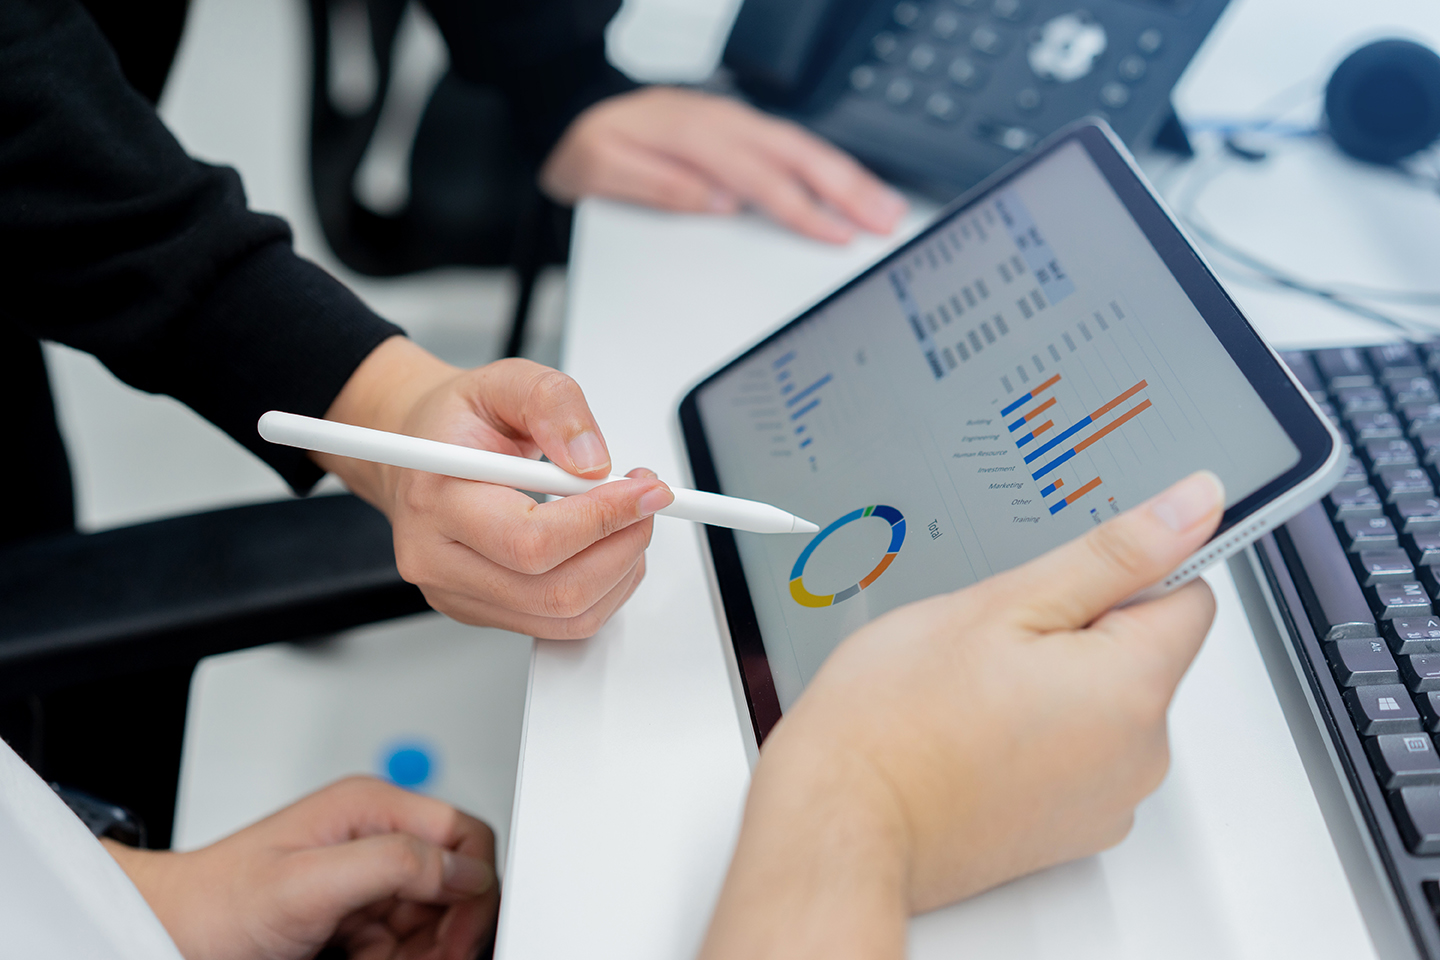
column 938, row 59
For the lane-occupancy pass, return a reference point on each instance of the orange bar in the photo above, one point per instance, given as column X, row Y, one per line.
column 879, row 569
column 1083, row 490
column 1042, row 428
column 1059, row 483
column 1111, row 425
column 1118, row 400
column 1046, row 385
column 1040, row 409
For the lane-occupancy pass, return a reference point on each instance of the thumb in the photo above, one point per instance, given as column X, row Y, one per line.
column 1091, row 574
column 337, row 880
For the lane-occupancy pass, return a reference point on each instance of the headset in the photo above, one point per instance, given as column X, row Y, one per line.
column 1382, row 104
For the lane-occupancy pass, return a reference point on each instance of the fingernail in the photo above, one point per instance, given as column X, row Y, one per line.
column 1189, row 501
column 587, row 452
column 464, row 874
column 653, row 501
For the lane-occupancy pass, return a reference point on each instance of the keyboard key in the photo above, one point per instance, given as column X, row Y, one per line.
column 1428, row 440
column 1416, row 511
column 1421, row 672
column 1392, row 452
column 1370, row 533
column 1408, row 635
column 1360, row 662
column 1382, row 708
column 1423, row 547
column 1420, row 416
column 1396, row 361
column 1392, row 600
column 1404, row 760
column 1343, row 367
column 1429, row 705
column 1355, row 473
column 1379, row 425
column 1354, row 400
column 1417, row 814
column 1383, row 566
column 1335, row 603
column 1355, row 504
column 1412, row 390
column 1391, row 482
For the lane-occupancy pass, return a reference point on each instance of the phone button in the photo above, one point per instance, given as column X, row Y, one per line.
column 964, row 72
column 899, row 91
column 886, row 47
column 1150, row 41
column 1114, row 95
column 1014, row 138
column 987, row 40
column 941, row 106
column 862, row 78
column 1028, row 99
column 922, row 58
column 1131, row 68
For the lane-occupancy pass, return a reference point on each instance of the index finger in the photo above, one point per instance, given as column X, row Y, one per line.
column 836, row 178
column 1091, row 574
column 545, row 405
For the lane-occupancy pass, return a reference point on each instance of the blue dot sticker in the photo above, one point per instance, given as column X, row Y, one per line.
column 409, row 765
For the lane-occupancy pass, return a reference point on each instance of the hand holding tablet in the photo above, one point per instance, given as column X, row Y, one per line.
column 1048, row 353
column 964, row 740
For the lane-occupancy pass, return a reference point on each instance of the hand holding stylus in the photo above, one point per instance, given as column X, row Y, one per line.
column 484, row 553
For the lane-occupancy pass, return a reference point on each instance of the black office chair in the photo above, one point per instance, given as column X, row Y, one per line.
column 473, row 198
column 87, row 620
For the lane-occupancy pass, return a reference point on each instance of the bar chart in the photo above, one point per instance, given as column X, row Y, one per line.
column 1055, row 450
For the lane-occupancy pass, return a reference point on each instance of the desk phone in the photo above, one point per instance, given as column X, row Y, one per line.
column 938, row 94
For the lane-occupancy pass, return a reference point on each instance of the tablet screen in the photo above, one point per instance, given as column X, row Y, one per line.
column 1027, row 369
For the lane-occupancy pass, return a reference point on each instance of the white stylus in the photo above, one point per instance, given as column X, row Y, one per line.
column 467, row 463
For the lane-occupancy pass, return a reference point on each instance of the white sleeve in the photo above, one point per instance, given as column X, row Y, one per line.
column 61, row 893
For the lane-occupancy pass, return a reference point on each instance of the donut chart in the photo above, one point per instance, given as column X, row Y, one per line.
column 897, row 537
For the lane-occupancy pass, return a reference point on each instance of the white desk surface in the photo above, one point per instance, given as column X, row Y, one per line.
column 632, row 772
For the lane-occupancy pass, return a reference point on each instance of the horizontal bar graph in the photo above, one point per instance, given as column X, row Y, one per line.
column 1113, row 424
column 792, row 400
column 1062, row 504
column 1053, row 487
column 1034, row 433
column 1032, row 415
column 1084, row 422
column 1026, row 398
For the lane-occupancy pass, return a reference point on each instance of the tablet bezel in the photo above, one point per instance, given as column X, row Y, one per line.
column 1261, row 367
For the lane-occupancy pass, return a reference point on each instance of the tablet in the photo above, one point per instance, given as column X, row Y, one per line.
column 1048, row 352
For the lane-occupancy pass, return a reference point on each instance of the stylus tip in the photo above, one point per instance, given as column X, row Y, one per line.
column 802, row 525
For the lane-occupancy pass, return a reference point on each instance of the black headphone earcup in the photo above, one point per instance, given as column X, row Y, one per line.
column 1383, row 102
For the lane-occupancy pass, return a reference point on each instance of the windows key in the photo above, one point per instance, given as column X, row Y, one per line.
column 1382, row 708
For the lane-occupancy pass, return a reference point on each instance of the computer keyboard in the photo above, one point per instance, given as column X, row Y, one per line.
column 1357, row 576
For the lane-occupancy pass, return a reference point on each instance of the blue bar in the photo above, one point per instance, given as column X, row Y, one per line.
column 805, row 409
column 784, row 360
column 1059, row 440
column 1053, row 464
column 808, row 441
column 1017, row 404
column 1017, row 424
column 1025, row 439
column 783, row 375
column 807, row 391
column 787, row 388
column 800, row 429
column 1048, row 490
column 1058, row 507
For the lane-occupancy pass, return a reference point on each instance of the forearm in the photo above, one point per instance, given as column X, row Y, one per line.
column 820, row 868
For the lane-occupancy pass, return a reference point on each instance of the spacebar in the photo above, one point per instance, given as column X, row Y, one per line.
column 1334, row 600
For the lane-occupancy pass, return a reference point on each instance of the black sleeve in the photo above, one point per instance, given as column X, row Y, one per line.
column 547, row 57
column 119, row 244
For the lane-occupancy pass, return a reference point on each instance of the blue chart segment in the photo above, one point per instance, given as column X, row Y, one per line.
column 805, row 598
